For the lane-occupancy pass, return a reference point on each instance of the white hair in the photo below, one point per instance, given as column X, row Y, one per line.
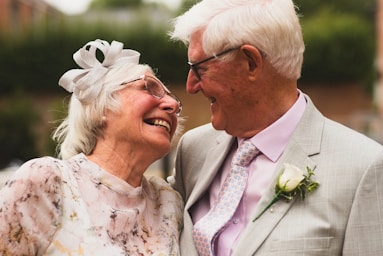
column 270, row 25
column 79, row 131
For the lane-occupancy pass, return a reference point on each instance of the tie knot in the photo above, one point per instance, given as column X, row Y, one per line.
column 245, row 154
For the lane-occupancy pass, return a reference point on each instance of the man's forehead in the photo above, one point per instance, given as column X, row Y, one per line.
column 195, row 50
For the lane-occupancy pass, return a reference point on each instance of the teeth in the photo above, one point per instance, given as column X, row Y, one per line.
column 162, row 123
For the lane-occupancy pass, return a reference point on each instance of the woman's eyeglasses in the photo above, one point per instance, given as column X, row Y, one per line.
column 157, row 89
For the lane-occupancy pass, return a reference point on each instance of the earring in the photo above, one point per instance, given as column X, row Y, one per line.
column 103, row 120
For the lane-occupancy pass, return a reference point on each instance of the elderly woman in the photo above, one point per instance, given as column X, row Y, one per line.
column 95, row 199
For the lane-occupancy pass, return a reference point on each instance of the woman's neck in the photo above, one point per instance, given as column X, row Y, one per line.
column 129, row 165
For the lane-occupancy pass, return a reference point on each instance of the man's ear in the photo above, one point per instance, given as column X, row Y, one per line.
column 254, row 60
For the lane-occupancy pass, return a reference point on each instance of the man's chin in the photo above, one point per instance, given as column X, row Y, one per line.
column 216, row 124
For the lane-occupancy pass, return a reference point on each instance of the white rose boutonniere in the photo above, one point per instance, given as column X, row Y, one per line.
column 292, row 182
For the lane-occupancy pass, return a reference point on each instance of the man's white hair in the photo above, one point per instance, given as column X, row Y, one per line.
column 270, row 25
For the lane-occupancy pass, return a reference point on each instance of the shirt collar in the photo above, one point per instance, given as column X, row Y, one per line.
column 273, row 139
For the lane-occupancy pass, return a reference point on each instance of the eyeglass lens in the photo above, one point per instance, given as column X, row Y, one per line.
column 158, row 90
column 154, row 87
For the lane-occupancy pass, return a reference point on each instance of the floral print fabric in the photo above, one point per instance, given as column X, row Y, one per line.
column 73, row 207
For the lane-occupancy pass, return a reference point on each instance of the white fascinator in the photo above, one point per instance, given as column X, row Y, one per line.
column 86, row 83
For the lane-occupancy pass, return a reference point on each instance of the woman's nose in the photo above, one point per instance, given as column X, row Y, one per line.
column 171, row 104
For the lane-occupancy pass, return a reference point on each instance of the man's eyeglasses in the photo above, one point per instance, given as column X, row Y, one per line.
column 157, row 89
column 194, row 66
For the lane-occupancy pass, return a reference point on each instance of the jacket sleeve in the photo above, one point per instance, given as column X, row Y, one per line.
column 364, row 233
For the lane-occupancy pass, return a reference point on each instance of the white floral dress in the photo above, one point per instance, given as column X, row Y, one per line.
column 73, row 207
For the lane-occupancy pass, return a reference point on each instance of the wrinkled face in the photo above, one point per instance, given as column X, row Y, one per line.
column 226, row 85
column 144, row 122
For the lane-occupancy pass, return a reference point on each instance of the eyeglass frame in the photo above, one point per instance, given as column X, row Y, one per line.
column 165, row 90
column 194, row 68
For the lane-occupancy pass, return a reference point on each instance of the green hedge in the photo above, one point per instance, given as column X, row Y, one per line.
column 18, row 138
column 37, row 62
column 338, row 48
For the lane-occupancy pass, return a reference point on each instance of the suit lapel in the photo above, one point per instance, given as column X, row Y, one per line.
column 304, row 143
column 212, row 163
column 211, row 166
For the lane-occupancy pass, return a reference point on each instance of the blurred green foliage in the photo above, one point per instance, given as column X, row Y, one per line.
column 364, row 9
column 18, row 120
column 339, row 48
column 340, row 40
column 101, row 4
column 37, row 62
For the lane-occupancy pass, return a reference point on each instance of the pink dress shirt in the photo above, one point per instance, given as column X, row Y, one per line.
column 271, row 142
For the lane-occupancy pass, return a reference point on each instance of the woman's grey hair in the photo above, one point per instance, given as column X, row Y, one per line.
column 270, row 25
column 94, row 90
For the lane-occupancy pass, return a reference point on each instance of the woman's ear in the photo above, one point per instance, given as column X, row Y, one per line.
column 254, row 60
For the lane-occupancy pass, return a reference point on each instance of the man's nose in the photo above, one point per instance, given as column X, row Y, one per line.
column 192, row 83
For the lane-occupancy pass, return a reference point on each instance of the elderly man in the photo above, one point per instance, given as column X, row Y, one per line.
column 245, row 56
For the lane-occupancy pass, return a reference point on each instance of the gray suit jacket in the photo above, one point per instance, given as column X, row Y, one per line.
column 344, row 216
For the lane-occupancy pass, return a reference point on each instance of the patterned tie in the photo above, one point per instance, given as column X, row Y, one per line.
column 207, row 228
